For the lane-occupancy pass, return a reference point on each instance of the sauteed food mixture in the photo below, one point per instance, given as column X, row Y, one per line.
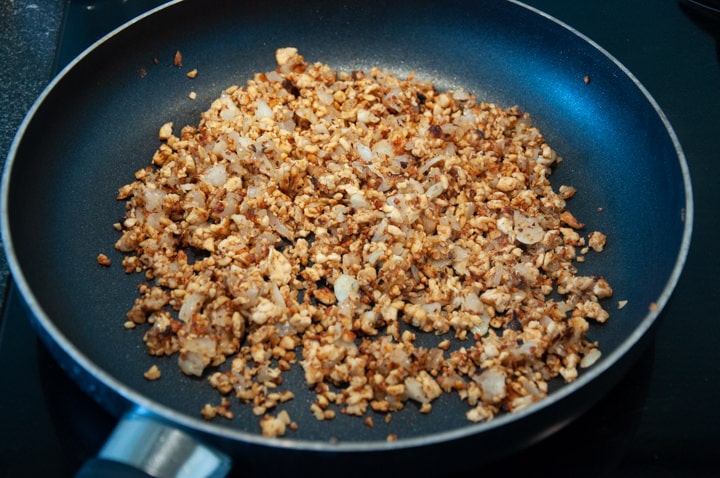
column 327, row 219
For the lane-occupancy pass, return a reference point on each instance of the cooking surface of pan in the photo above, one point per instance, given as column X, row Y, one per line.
column 97, row 123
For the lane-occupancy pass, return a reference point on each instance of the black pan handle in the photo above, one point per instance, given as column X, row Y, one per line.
column 142, row 446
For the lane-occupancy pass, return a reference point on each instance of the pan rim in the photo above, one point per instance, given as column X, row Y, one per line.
column 42, row 319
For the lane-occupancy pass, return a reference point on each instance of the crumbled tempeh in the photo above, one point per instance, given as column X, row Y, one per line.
column 209, row 411
column 275, row 426
column 166, row 131
column 103, row 260
column 324, row 219
column 597, row 240
column 153, row 373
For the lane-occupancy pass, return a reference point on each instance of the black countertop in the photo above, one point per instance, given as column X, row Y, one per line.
column 28, row 40
column 672, row 421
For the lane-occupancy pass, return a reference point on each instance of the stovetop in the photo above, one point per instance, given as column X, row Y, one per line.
column 662, row 419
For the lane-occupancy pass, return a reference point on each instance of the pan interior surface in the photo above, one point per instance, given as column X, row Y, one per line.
column 98, row 124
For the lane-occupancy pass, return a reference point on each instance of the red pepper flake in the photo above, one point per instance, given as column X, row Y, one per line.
column 177, row 61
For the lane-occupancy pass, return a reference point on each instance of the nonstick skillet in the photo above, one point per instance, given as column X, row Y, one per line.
column 97, row 123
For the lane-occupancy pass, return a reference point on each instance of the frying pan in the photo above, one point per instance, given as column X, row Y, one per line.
column 97, row 122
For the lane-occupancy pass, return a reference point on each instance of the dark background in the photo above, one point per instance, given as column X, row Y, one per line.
column 662, row 420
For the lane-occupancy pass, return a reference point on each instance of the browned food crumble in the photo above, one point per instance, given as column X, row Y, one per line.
column 209, row 411
column 104, row 260
column 325, row 219
column 153, row 373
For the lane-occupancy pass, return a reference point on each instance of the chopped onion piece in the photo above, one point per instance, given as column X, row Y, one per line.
column 346, row 286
